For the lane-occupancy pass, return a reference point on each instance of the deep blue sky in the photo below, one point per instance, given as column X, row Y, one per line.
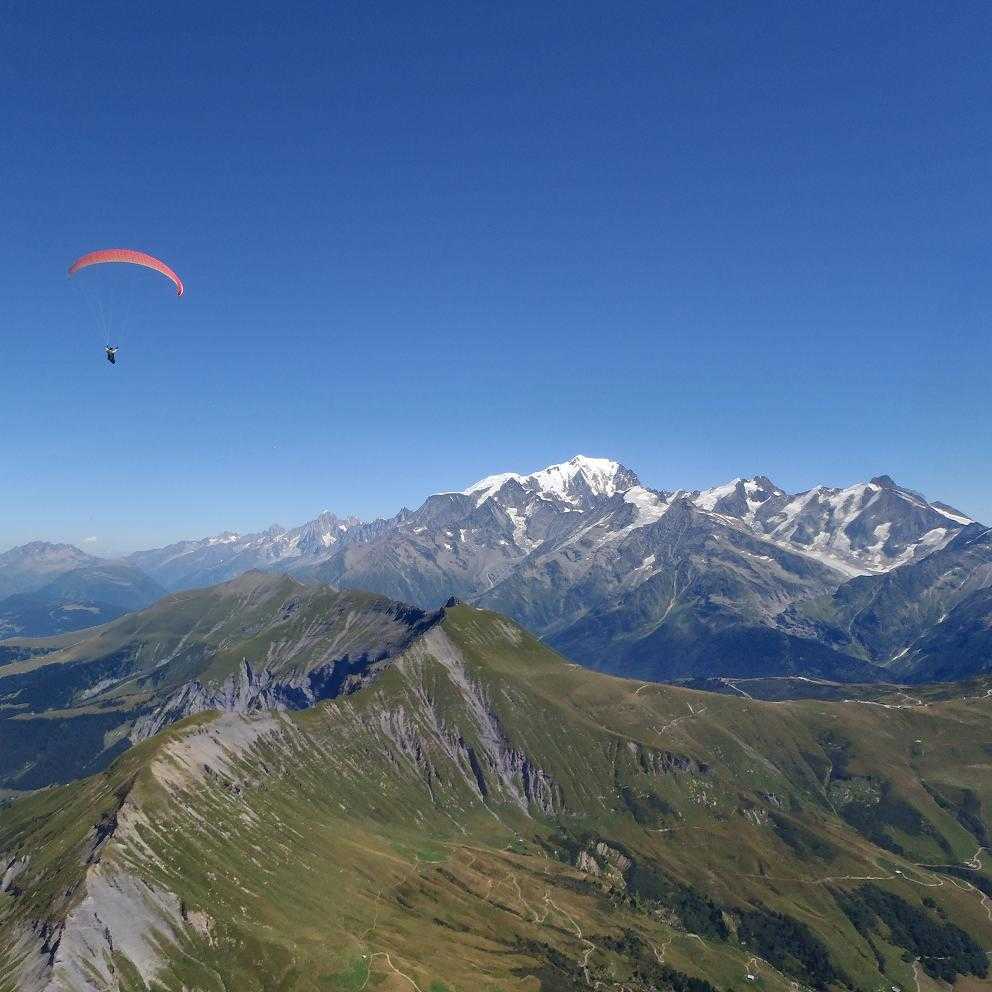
column 424, row 242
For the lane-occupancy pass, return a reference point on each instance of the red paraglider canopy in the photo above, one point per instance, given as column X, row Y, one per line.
column 130, row 256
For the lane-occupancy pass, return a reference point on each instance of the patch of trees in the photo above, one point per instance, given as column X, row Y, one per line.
column 980, row 881
column 803, row 842
column 555, row 971
column 10, row 653
column 559, row 973
column 965, row 807
column 32, row 757
column 564, row 846
column 651, row 889
column 648, row 888
column 648, row 970
column 944, row 949
column 873, row 820
column 839, row 753
column 582, row 886
column 790, row 945
column 645, row 807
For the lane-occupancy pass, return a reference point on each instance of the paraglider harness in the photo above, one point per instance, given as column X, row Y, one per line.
column 112, row 354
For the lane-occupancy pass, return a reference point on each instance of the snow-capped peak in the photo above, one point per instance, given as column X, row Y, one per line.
column 739, row 497
column 868, row 527
column 602, row 477
column 569, row 481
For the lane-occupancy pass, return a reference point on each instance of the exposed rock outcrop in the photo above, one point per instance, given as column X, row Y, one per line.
column 12, row 866
column 251, row 690
column 654, row 762
column 491, row 765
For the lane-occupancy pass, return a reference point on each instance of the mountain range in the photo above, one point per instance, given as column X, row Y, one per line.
column 865, row 528
column 472, row 813
column 740, row 580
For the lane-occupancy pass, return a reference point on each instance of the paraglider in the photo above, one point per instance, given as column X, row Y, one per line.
column 130, row 257
column 125, row 256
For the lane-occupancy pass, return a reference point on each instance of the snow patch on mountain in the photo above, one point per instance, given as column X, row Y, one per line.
column 708, row 498
column 491, row 485
column 650, row 506
column 519, row 522
column 952, row 514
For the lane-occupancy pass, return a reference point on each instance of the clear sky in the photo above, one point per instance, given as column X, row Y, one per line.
column 424, row 242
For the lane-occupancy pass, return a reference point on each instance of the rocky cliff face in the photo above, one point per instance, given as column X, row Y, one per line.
column 493, row 766
column 958, row 646
column 249, row 691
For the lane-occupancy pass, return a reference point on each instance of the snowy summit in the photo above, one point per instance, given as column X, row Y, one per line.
column 580, row 475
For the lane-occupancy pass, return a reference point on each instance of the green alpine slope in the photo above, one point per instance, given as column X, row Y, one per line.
column 485, row 816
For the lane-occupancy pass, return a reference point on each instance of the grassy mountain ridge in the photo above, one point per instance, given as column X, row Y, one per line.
column 69, row 704
column 486, row 816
